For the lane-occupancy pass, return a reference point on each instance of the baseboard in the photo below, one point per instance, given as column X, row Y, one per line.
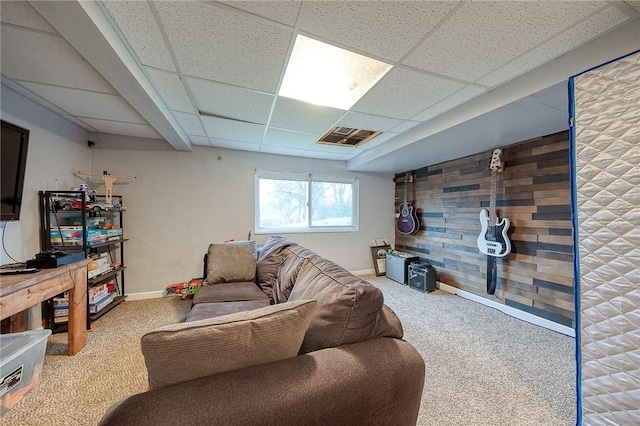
column 145, row 295
column 363, row 272
column 524, row 316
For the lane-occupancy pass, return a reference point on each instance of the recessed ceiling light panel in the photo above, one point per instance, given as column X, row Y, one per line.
column 323, row 74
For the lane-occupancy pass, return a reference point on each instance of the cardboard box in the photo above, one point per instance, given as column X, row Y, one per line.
column 21, row 356
column 96, row 307
column 73, row 236
column 92, row 222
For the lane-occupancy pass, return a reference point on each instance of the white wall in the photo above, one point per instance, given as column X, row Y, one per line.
column 183, row 201
column 57, row 148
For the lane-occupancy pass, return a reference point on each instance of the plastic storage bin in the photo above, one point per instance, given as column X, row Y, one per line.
column 21, row 356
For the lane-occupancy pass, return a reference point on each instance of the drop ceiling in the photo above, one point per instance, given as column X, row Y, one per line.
column 466, row 76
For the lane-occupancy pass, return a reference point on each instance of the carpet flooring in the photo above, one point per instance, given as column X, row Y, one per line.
column 482, row 366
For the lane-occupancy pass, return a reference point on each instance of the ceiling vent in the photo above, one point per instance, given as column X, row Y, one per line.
column 347, row 136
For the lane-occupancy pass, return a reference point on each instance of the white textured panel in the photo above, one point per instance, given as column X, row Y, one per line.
column 403, row 93
column 64, row 66
column 82, row 103
column 285, row 12
column 607, row 105
column 230, row 101
column 449, row 103
column 368, row 122
column 233, row 130
column 570, row 39
column 22, row 14
column 384, row 29
column 214, row 44
column 190, row 123
column 120, row 128
column 483, row 36
column 139, row 27
column 289, row 139
column 170, row 87
column 302, row 116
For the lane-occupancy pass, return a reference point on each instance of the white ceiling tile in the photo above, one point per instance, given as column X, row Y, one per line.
column 323, row 155
column 199, row 140
column 83, row 103
column 384, row 29
column 635, row 4
column 402, row 93
column 233, row 130
column 22, row 14
column 47, row 58
column 586, row 30
column 302, row 116
column 272, row 149
column 120, row 128
column 230, row 101
column 242, row 146
column 339, row 149
column 218, row 45
column 378, row 140
column 287, row 138
column 404, row 126
column 171, row 89
column 449, row 103
column 284, row 12
column 139, row 27
column 74, row 120
column 359, row 120
column 190, row 123
column 482, row 36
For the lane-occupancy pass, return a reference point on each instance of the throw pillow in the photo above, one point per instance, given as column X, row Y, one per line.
column 269, row 261
column 231, row 262
column 225, row 343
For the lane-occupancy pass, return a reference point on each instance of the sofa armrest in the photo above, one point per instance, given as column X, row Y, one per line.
column 376, row 382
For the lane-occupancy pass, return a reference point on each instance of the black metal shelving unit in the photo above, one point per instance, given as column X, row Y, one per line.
column 55, row 213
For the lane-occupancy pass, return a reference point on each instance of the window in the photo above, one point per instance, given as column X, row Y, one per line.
column 303, row 202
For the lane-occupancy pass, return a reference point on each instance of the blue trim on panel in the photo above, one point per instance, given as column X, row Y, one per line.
column 576, row 254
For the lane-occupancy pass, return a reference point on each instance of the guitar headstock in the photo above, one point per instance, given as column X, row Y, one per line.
column 496, row 160
column 408, row 177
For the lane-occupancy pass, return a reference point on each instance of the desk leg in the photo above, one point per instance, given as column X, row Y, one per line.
column 77, row 335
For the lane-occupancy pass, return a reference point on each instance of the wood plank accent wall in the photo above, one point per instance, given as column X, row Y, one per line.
column 533, row 192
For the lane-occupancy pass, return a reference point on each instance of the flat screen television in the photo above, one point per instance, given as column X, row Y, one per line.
column 14, row 142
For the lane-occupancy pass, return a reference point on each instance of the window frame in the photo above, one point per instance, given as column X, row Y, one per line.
column 309, row 178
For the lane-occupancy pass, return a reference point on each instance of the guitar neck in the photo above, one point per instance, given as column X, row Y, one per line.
column 492, row 198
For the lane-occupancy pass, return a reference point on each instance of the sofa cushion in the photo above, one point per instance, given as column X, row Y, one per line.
column 217, row 309
column 229, row 292
column 388, row 324
column 231, row 262
column 269, row 262
column 225, row 343
column 348, row 307
column 294, row 257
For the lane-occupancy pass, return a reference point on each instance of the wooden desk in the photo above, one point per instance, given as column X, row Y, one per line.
column 20, row 292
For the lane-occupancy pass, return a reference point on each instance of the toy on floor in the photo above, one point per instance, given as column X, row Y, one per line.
column 186, row 290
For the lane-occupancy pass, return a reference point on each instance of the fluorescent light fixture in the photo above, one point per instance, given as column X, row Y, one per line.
column 326, row 75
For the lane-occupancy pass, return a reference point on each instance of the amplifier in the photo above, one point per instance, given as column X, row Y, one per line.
column 398, row 266
column 422, row 277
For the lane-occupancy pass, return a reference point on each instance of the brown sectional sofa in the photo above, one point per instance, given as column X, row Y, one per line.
column 346, row 363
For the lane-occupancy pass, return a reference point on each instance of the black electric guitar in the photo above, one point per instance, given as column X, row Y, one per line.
column 408, row 220
column 493, row 240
